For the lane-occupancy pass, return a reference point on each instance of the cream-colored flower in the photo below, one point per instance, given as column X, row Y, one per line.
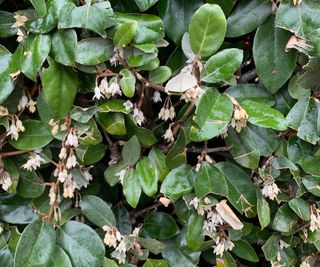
column 314, row 220
column 72, row 139
column 3, row 112
column 168, row 135
column 63, row 153
column 71, row 161
column 165, row 201
column 193, row 95
column 23, row 102
column 5, row 179
column 270, row 189
column 138, row 116
column 20, row 21
column 33, row 162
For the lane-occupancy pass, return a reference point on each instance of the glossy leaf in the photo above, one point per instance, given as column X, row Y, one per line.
column 125, row 33
column 263, row 210
column 81, row 243
column 207, row 30
column 30, row 55
column 247, row 16
column 178, row 182
column 59, row 83
column 301, row 208
column 6, row 83
column 131, row 151
column 245, row 251
column 113, row 123
column 64, row 44
column 160, row 74
column 195, row 238
column 160, row 225
column 35, row 136
column 6, row 21
column 285, row 219
column 147, row 176
column 131, row 188
column 158, row 162
column 155, row 263
column 274, row 65
column 145, row 4
column 40, row 7
column 97, row 211
column 30, row 185
column 212, row 115
column 36, row 244
column 221, row 66
column 127, row 83
column 210, row 179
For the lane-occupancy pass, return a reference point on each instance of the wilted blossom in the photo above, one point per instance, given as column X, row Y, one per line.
column 194, row 202
column 193, row 95
column 112, row 236
column 20, row 21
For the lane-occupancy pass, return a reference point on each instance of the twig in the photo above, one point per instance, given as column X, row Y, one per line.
column 207, row 150
column 244, row 78
column 13, row 153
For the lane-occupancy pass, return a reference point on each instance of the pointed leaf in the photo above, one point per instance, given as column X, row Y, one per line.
column 147, row 176
column 131, row 188
column 125, row 33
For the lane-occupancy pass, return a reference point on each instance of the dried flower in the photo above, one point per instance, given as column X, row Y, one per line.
column 63, row 153
column 164, row 201
column 297, row 2
column 55, row 126
column 193, row 95
column 5, row 179
column 52, row 195
column 222, row 245
column 240, row 116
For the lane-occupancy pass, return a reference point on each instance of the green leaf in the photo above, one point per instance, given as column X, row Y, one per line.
column 295, row 89
column 271, row 247
column 6, row 83
column 40, row 7
column 30, row 55
column 30, row 185
column 241, row 191
column 155, row 263
column 285, row 220
column 160, row 74
column 170, row 10
column 210, row 179
column 87, row 16
column 131, row 151
column 82, row 244
column 125, row 33
column 83, row 115
column 301, row 20
column 158, row 162
column 312, row 183
column 91, row 154
column 97, row 211
column 35, row 136
column 301, row 208
column 263, row 210
column 92, row 51
column 59, row 258
column 35, row 246
column 221, row 66
column 123, row 219
column 145, row 4
column 264, row 116
column 127, row 83
column 160, row 225
column 110, row 173
column 304, row 118
column 252, row 92
column 6, row 257
column 212, row 115
column 147, row 176
column 244, row 151
column 150, row 27
column 195, row 238
column 60, row 86
column 226, row 261
column 116, row 105
column 245, row 251
column 207, row 30
column 131, row 188
column 113, row 123
column 17, row 214
column 6, row 21
column 247, row 16
column 274, row 65
column 178, row 182
column 64, row 44
column 153, row 245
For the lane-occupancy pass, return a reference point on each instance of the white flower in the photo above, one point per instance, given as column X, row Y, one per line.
column 97, row 93
column 194, row 202
column 55, row 126
column 68, row 188
column 222, row 245
column 20, row 21
column 156, row 97
column 13, row 132
column 3, row 112
column 122, row 246
column 87, row 175
column 71, row 161
column 63, row 175
column 168, row 135
column 52, row 195
column 19, row 126
column 121, row 175
column 212, row 221
column 113, row 89
column 138, row 116
column 32, row 106
column 128, row 105
column 5, row 180
column 1, row 229
column 72, row 140
column 283, row 244
column 110, row 238
column 23, row 102
column 297, row 2
column 193, row 95
column 33, row 162
column 314, row 220
column 103, row 85
column 21, row 35
column 63, row 153
column 270, row 189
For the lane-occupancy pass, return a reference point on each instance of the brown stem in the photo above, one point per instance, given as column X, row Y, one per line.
column 13, row 153
column 251, row 74
column 207, row 150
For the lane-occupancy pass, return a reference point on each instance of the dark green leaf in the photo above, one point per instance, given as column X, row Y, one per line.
column 60, row 86
column 160, row 225
column 30, row 185
column 35, row 136
column 263, row 210
column 221, row 66
column 131, row 188
column 40, row 7
column 6, row 22
column 92, row 51
column 147, row 176
column 274, row 65
column 247, row 16
column 301, row 208
column 36, row 244
column 125, row 33
column 245, row 251
column 113, row 123
column 285, row 219
column 59, row 258
column 17, row 214
column 82, row 244
column 131, row 151
column 97, row 211
column 195, row 238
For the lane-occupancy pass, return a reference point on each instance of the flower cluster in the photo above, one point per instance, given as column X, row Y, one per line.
column 25, row 102
column 167, row 111
column 15, row 128
column 107, row 90
column 240, row 116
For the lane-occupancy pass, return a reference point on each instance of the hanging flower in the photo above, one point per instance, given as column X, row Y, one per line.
column 168, row 136
column 240, row 116
column 121, row 175
column 20, row 21
column 138, row 116
column 33, row 162
column 5, row 179
column 314, row 220
column 15, row 128
column 71, row 161
column 72, row 139
column 167, row 111
column 156, row 97
column 193, row 95
column 270, row 189
column 222, row 245
column 128, row 105
column 3, row 112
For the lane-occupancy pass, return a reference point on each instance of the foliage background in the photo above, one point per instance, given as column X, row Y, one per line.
column 159, row 133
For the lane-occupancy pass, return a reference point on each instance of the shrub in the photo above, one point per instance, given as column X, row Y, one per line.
column 159, row 133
